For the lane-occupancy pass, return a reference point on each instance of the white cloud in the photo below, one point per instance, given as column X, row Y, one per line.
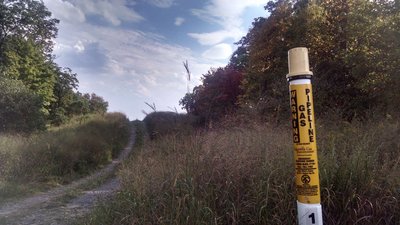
column 216, row 37
column 179, row 21
column 126, row 67
column 127, row 61
column 218, row 52
column 113, row 11
column 65, row 11
column 79, row 47
column 161, row 3
column 226, row 13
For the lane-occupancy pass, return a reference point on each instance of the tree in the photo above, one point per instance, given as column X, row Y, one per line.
column 63, row 92
column 27, row 19
column 26, row 33
column 267, row 44
column 79, row 105
column 26, row 42
column 217, row 96
column 97, row 104
column 19, row 108
column 353, row 46
column 24, row 60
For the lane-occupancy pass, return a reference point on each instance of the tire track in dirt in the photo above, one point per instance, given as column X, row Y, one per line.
column 65, row 204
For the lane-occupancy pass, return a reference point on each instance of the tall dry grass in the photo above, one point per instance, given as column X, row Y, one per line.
column 245, row 175
column 60, row 155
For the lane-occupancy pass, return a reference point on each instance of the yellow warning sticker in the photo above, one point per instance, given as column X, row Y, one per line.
column 305, row 147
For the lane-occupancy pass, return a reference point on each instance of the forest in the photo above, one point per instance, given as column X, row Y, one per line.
column 35, row 91
column 354, row 50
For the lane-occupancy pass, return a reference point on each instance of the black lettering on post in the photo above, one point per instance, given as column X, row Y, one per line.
column 312, row 217
column 295, row 124
column 295, row 121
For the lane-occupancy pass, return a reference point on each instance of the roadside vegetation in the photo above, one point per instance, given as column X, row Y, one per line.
column 50, row 133
column 61, row 154
column 244, row 175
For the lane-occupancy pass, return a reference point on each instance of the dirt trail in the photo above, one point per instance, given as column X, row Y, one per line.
column 65, row 204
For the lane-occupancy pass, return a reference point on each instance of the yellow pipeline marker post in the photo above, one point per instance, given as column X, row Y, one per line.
column 304, row 140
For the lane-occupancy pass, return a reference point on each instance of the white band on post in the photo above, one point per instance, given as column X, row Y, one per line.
column 309, row 214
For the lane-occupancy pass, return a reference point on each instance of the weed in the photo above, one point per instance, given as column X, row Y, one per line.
column 60, row 155
column 245, row 175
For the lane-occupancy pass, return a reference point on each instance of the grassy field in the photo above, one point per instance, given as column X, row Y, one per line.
column 244, row 174
column 60, row 155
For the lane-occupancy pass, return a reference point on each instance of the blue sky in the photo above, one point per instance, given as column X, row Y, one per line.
column 132, row 51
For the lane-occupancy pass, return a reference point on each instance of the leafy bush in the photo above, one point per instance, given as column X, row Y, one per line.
column 159, row 124
column 20, row 108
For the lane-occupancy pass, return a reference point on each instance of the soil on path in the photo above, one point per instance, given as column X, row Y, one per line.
column 66, row 204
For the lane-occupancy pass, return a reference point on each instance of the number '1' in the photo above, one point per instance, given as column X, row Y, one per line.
column 312, row 216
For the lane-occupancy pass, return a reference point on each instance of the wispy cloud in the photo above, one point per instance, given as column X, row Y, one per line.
column 112, row 11
column 65, row 11
column 79, row 47
column 131, row 64
column 216, row 37
column 218, row 52
column 228, row 15
column 161, row 3
column 179, row 21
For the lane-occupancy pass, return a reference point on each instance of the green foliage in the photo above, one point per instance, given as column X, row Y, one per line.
column 25, row 61
column 20, row 108
column 63, row 92
column 26, row 41
column 79, row 105
column 64, row 153
column 353, row 49
column 96, row 103
column 217, row 96
column 29, row 20
column 243, row 176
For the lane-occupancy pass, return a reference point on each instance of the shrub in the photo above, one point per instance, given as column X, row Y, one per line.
column 159, row 124
column 64, row 153
column 20, row 108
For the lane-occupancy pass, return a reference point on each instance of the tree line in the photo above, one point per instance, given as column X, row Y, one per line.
column 354, row 49
column 34, row 89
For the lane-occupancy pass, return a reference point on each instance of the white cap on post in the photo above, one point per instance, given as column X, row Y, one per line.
column 298, row 62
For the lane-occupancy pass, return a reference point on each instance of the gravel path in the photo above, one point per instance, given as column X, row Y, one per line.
column 65, row 204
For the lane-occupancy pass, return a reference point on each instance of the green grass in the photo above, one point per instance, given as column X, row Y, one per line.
column 60, row 155
column 245, row 175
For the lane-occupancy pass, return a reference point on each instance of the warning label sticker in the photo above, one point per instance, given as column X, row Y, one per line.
column 305, row 148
